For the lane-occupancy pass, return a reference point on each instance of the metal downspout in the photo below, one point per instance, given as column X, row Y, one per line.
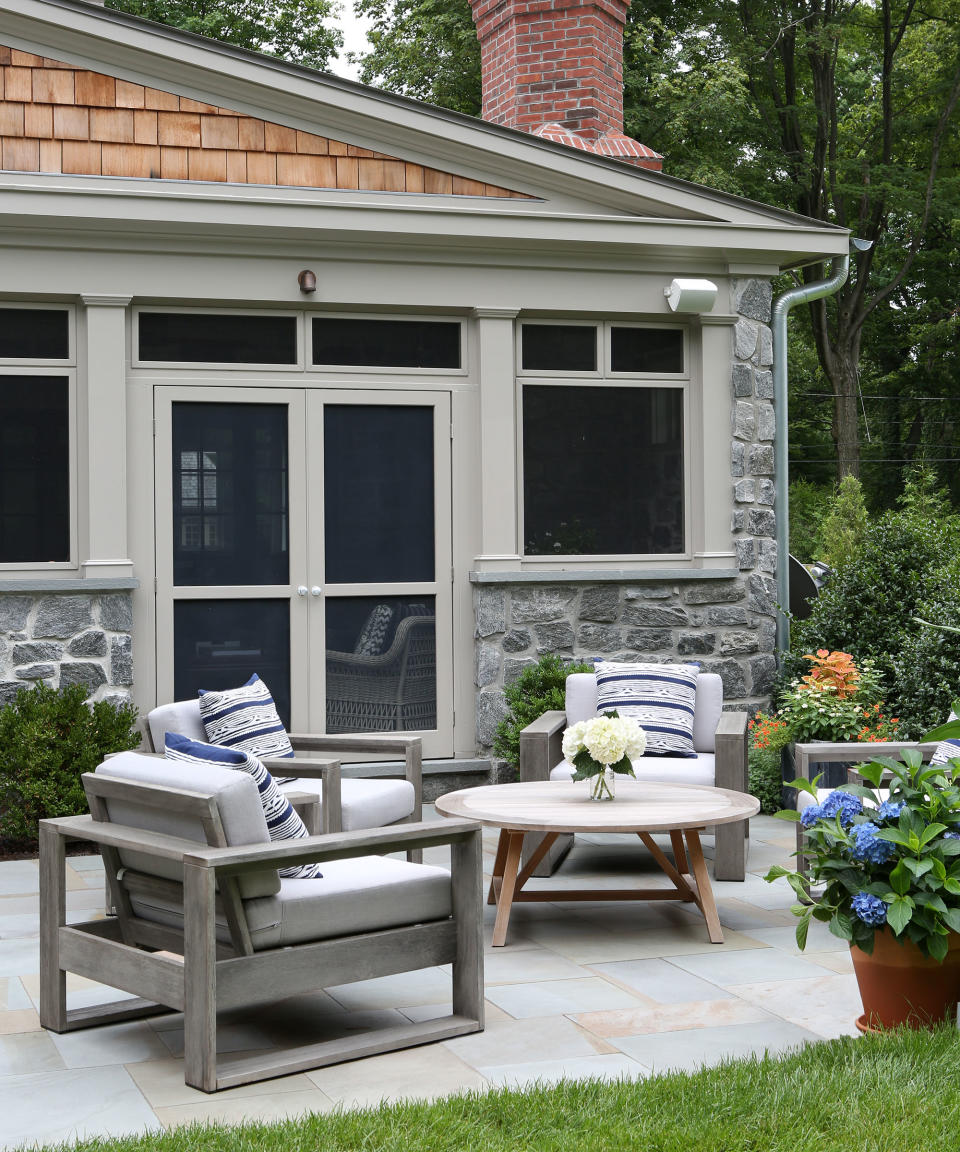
column 781, row 306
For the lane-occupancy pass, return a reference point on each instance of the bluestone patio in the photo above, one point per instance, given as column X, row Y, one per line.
column 580, row 990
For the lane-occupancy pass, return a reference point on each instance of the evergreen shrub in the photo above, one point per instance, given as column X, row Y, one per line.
column 48, row 739
column 539, row 688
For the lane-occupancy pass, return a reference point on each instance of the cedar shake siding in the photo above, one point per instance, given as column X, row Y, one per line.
column 55, row 117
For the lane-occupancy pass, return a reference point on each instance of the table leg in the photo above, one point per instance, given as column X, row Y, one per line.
column 498, row 863
column 511, row 865
column 704, row 892
column 679, row 855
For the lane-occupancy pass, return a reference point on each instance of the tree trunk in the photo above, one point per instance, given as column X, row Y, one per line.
column 846, row 414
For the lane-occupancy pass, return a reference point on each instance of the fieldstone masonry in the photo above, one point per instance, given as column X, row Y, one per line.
column 725, row 625
column 66, row 638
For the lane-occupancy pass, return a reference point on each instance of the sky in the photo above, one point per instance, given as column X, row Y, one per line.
column 354, row 40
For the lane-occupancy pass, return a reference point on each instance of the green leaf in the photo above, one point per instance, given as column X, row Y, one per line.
column 793, row 816
column 952, row 885
column 802, row 929
column 900, row 879
column 918, row 867
column 933, row 902
column 938, row 946
column 932, row 832
column 776, row 872
column 952, row 919
column 873, row 772
column 899, row 914
column 842, row 925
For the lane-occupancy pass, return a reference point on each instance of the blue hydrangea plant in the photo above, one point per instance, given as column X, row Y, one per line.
column 883, row 861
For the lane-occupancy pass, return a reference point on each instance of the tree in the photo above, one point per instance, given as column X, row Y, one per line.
column 841, row 110
column 292, row 29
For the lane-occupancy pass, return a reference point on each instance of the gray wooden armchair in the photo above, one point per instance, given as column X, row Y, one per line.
column 205, row 924
column 720, row 740
column 345, row 804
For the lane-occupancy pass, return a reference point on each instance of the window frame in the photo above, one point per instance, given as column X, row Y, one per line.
column 557, row 374
column 54, row 368
column 217, row 365
column 682, row 381
column 381, row 370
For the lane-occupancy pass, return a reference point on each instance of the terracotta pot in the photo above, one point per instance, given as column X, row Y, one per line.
column 899, row 985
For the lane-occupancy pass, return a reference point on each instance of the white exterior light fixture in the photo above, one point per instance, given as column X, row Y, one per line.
column 691, row 295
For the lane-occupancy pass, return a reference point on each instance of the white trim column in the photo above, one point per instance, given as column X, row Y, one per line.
column 716, row 350
column 105, row 370
column 499, row 501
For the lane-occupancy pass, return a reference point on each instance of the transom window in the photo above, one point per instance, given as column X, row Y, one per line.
column 603, row 457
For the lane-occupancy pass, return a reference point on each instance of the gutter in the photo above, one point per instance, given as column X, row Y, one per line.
column 781, row 307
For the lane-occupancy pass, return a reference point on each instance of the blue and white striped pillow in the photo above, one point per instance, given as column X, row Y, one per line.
column 245, row 718
column 660, row 697
column 283, row 823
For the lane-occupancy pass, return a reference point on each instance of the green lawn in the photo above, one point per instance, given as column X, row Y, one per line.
column 877, row 1094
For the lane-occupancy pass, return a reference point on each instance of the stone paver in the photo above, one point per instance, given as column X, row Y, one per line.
column 602, row 990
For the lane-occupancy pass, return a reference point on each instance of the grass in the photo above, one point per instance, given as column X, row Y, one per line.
column 895, row 1093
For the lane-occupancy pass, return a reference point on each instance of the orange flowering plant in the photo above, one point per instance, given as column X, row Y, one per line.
column 836, row 701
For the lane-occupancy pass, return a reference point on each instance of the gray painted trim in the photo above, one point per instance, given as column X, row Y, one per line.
column 606, row 576
column 46, row 584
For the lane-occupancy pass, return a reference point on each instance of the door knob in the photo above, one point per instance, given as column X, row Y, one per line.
column 316, row 590
column 302, row 590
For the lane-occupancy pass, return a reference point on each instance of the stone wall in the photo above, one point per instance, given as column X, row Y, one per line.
column 725, row 625
column 66, row 638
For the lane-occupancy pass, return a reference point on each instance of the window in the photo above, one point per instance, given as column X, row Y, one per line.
column 386, row 343
column 603, row 461
column 217, row 338
column 36, row 423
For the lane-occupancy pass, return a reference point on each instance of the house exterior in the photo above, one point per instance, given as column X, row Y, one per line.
column 379, row 401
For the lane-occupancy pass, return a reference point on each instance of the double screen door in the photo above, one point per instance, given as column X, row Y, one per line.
column 305, row 535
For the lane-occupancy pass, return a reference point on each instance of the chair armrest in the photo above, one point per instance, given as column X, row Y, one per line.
column 730, row 745
column 411, row 747
column 309, row 769
column 336, row 846
column 806, row 754
column 540, row 746
column 307, row 807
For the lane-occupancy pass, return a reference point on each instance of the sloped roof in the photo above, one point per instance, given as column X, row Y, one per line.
column 542, row 191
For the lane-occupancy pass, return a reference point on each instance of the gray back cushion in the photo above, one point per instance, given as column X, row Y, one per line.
column 238, row 802
column 581, row 704
column 182, row 717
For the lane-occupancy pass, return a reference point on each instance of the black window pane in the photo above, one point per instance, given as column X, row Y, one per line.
column 646, row 350
column 34, row 469
column 221, row 643
column 218, row 339
column 38, row 333
column 378, row 493
column 387, row 343
column 559, row 347
column 381, row 663
column 602, row 470
column 230, row 494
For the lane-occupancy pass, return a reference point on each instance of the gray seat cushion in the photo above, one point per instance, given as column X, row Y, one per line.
column 238, row 801
column 661, row 769
column 365, row 803
column 362, row 894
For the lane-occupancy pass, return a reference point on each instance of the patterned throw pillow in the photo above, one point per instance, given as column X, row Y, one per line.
column 946, row 749
column 370, row 642
column 660, row 697
column 283, row 823
column 245, row 718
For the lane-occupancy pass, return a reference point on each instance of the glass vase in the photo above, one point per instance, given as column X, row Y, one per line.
column 602, row 786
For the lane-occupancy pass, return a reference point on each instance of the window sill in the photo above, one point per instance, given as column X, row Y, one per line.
column 605, row 576
column 68, row 584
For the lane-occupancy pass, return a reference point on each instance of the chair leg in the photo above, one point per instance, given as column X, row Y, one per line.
column 200, row 970
column 467, row 893
column 730, row 852
column 53, row 915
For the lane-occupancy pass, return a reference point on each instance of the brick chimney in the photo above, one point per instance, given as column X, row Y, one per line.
column 555, row 68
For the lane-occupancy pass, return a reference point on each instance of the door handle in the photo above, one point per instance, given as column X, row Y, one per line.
column 316, row 590
column 302, row 590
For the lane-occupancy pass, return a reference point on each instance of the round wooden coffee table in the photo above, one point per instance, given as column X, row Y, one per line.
column 556, row 807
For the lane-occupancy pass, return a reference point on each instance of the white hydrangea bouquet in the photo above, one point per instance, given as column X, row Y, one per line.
column 602, row 747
